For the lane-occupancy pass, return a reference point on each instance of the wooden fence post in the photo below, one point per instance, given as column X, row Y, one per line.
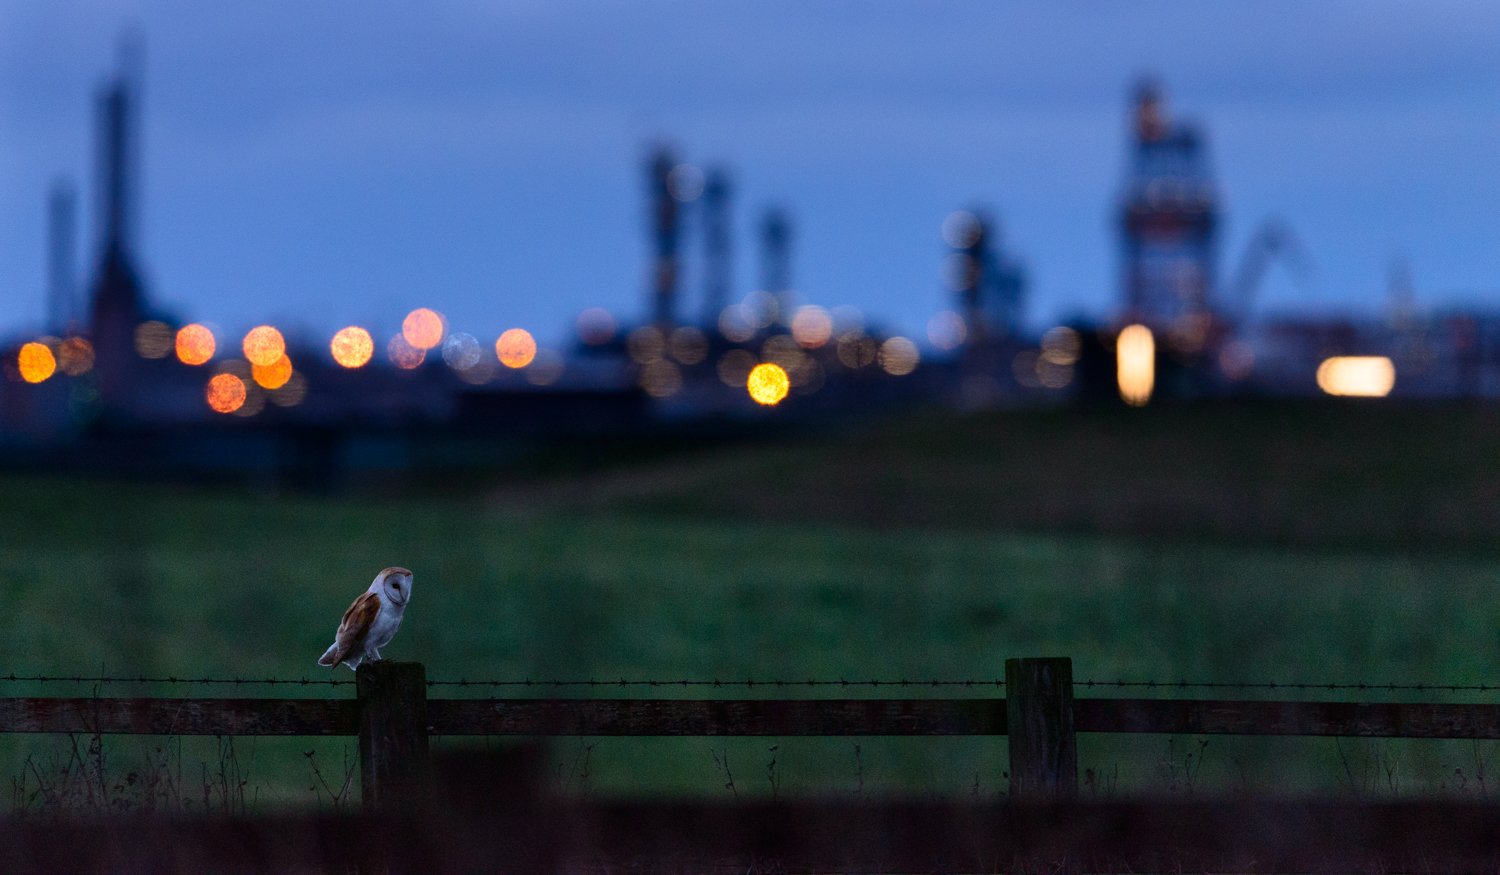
column 1039, row 722
column 392, row 732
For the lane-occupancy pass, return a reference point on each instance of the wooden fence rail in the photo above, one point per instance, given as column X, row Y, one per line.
column 771, row 717
column 393, row 718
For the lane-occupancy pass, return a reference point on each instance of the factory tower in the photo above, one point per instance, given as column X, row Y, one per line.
column 118, row 304
column 1168, row 223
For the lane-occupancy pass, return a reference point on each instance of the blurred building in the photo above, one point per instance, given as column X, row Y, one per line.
column 988, row 281
column 1169, row 217
column 114, row 384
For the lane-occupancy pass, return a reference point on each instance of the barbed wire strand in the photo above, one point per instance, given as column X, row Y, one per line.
column 751, row 683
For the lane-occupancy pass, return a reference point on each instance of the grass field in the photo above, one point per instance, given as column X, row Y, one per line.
column 920, row 549
column 1324, row 474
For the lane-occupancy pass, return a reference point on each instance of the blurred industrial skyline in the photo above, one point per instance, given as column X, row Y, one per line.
column 345, row 164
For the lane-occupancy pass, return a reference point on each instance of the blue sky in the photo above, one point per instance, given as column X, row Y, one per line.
column 320, row 164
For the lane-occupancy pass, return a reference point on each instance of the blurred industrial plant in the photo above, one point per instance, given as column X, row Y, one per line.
column 118, row 382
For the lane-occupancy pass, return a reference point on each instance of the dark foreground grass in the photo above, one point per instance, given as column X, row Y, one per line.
column 145, row 580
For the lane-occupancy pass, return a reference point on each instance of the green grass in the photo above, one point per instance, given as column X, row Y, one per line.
column 934, row 548
column 1308, row 474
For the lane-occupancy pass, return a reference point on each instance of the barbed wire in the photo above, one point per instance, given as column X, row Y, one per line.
column 751, row 683
column 81, row 679
column 1293, row 685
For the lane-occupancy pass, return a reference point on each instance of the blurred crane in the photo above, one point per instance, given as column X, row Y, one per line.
column 1273, row 240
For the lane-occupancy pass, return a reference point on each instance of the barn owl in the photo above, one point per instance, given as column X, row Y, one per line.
column 371, row 622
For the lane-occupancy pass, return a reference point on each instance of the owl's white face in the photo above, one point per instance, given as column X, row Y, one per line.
column 396, row 584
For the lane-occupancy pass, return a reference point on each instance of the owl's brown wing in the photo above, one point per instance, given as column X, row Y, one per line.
column 353, row 629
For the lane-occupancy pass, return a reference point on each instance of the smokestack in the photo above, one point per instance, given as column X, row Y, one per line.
column 664, row 237
column 116, row 146
column 776, row 257
column 62, row 213
column 119, row 303
column 971, row 280
column 114, row 158
column 717, row 269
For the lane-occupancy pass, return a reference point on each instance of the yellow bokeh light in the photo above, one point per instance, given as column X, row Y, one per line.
column 782, row 350
column 899, row 357
column 352, row 347
column 516, row 348
column 646, row 345
column 857, row 351
column 1361, row 376
column 737, row 323
column 688, row 345
column 292, row 392
column 255, row 401
column 947, row 330
column 274, row 375
column 1135, row 361
column 35, row 362
column 812, row 327
column 75, row 356
column 153, row 339
column 1062, row 345
column 403, row 355
column 195, row 344
column 768, row 383
column 660, row 378
column 423, row 328
column 263, row 345
column 734, row 367
column 226, row 393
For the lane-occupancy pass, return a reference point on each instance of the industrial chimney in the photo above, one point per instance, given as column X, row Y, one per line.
column 776, row 258
column 118, row 303
column 717, row 248
column 62, row 215
column 663, row 237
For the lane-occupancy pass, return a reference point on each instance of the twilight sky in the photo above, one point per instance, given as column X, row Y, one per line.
column 326, row 163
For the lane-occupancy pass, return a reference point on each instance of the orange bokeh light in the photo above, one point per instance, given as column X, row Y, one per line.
column 768, row 383
column 195, row 344
column 264, row 345
column 35, row 362
column 403, row 355
column 352, row 347
column 274, row 375
column 423, row 328
column 516, row 348
column 226, row 393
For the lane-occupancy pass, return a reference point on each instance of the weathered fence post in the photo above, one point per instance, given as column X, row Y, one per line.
column 1039, row 722
column 392, row 732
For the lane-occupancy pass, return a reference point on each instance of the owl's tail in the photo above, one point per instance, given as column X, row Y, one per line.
column 331, row 657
